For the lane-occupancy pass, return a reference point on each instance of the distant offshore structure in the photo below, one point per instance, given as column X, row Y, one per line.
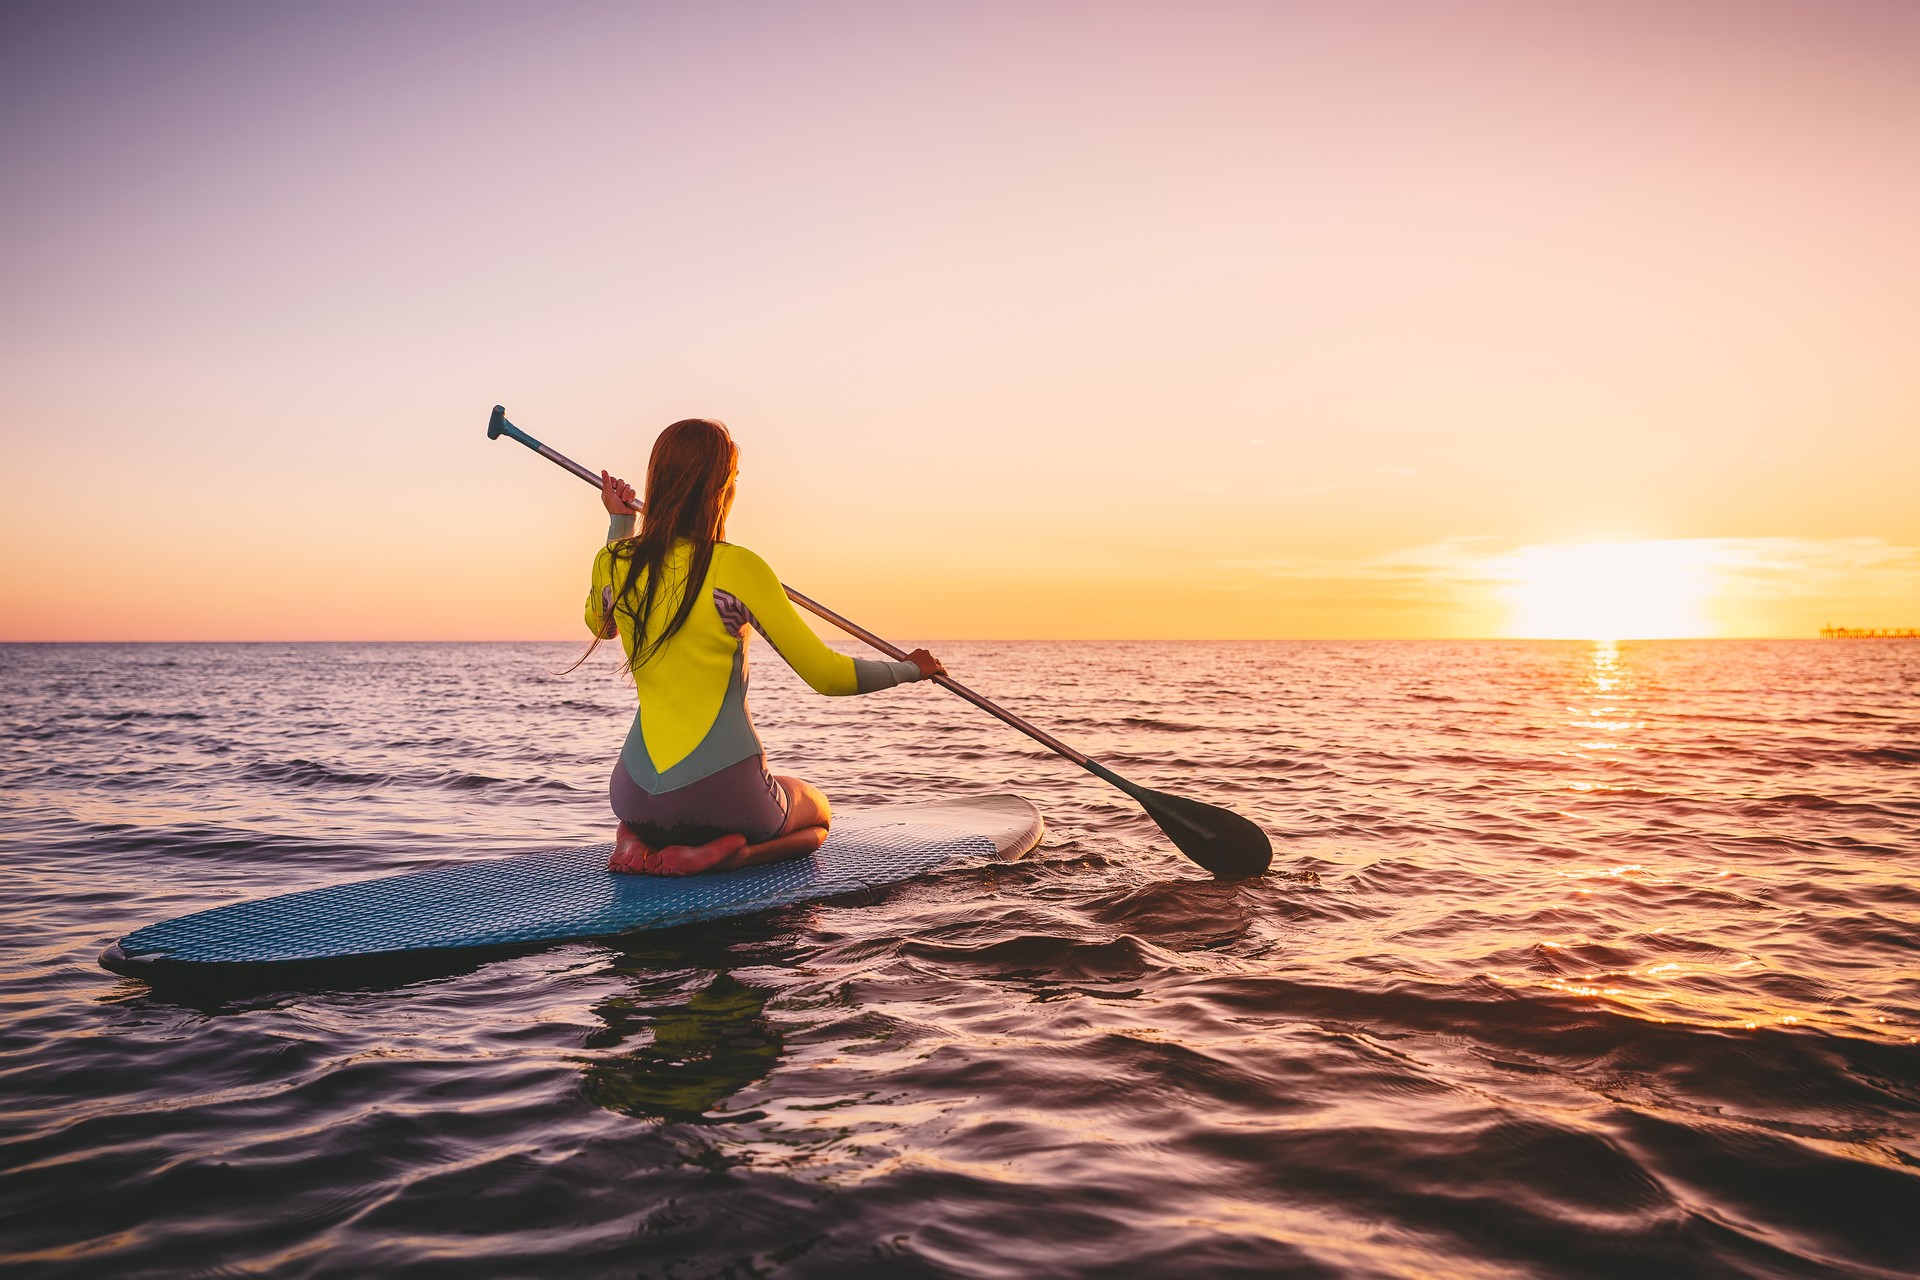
column 1870, row 633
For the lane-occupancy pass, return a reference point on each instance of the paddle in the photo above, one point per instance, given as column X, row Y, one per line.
column 1218, row 839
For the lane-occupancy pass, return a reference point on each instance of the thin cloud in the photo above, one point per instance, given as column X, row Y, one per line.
column 1751, row 586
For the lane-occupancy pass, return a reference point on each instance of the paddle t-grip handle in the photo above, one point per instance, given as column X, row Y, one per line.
column 498, row 426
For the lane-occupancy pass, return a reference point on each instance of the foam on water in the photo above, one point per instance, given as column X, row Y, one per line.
column 1578, row 960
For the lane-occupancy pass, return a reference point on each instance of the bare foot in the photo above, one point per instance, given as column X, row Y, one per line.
column 634, row 855
column 630, row 852
column 695, row 859
column 788, row 844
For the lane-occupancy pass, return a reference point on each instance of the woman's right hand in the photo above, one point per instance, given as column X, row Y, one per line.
column 929, row 665
column 617, row 496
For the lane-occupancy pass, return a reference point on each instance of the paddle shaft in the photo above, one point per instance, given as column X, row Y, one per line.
column 948, row 683
column 500, row 426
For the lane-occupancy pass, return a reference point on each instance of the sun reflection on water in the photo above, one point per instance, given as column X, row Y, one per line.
column 1604, row 704
column 1637, row 911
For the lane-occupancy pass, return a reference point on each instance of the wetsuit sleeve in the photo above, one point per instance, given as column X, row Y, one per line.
column 600, row 593
column 875, row 674
column 600, row 596
column 749, row 578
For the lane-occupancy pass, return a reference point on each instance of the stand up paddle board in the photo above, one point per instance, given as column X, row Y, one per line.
column 556, row 897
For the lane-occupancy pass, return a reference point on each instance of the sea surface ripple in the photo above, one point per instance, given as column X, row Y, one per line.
column 1578, row 959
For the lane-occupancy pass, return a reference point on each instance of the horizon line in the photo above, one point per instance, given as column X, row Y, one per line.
column 1348, row 639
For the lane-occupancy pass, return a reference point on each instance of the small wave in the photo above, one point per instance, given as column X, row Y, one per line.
column 454, row 781
column 1883, row 755
column 1125, row 958
column 1827, row 804
column 123, row 717
column 1163, row 726
column 201, row 841
column 310, row 773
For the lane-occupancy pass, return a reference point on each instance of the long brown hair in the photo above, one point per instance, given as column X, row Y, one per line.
column 689, row 492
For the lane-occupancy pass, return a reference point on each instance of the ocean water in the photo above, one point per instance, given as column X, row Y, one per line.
column 1576, row 960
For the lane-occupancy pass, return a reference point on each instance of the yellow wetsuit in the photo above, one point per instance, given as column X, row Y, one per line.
column 693, row 719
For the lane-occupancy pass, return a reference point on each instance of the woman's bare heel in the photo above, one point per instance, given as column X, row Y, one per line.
column 634, row 855
column 696, row 859
column 630, row 852
column 789, row 844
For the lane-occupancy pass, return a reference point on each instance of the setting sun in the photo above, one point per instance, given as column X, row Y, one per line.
column 1610, row 590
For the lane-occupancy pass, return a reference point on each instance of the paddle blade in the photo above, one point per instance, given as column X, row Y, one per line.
column 1218, row 839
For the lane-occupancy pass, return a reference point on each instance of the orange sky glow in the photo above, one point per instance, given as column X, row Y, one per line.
column 1058, row 320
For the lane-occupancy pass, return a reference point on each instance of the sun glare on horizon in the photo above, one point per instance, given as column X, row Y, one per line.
column 1609, row 590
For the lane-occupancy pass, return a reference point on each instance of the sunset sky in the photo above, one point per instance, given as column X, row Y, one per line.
column 1032, row 319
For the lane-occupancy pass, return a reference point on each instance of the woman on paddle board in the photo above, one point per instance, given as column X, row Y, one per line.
column 691, row 787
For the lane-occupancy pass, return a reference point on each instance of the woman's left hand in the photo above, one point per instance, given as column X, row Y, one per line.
column 929, row 665
column 617, row 496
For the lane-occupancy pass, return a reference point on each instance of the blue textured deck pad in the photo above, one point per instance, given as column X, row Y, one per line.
column 540, row 897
